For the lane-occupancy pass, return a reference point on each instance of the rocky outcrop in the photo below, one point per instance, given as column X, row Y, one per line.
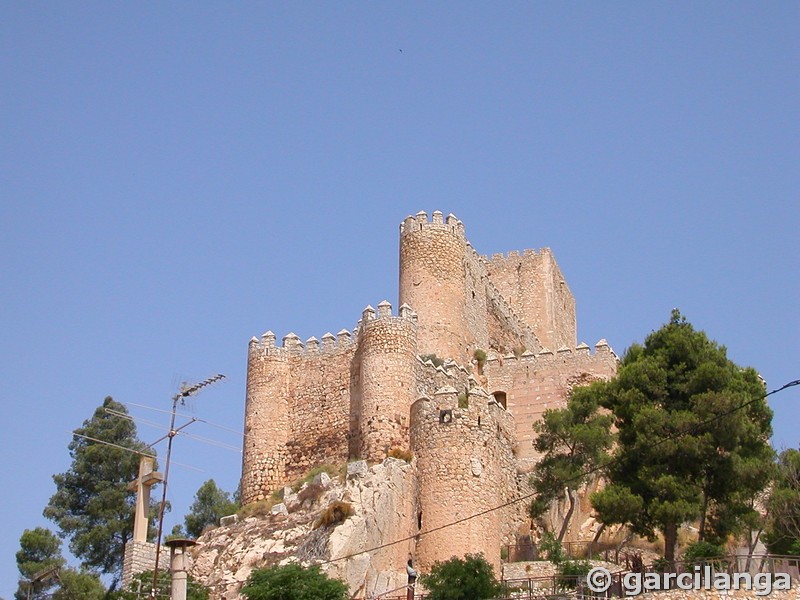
column 381, row 499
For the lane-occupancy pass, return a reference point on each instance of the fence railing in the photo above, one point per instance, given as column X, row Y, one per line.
column 558, row 586
column 530, row 552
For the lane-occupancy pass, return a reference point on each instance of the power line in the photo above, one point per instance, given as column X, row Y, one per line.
column 209, row 423
column 563, row 481
column 155, row 425
column 80, row 435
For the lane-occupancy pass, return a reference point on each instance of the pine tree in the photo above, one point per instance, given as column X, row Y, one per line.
column 93, row 506
column 693, row 438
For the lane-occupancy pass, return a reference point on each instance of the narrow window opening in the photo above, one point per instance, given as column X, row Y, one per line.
column 501, row 399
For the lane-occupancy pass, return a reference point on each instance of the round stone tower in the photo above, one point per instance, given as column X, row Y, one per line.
column 388, row 350
column 433, row 280
column 465, row 468
column 266, row 419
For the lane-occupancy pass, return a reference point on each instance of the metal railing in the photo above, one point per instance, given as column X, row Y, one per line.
column 558, row 586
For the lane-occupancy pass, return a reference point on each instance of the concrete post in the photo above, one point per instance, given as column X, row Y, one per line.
column 178, row 566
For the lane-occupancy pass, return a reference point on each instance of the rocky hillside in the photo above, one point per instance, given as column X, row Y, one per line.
column 312, row 525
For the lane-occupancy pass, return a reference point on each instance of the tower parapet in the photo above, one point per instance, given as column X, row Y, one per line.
column 387, row 351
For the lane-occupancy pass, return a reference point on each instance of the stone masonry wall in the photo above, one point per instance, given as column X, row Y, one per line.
column 387, row 356
column 433, row 282
column 501, row 327
column 465, row 465
column 535, row 382
column 139, row 557
column 430, row 378
column 534, row 286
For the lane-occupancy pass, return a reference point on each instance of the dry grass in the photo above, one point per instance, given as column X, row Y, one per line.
column 336, row 513
column 257, row 509
column 400, row 454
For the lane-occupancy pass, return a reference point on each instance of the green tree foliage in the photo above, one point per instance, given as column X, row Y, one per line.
column 142, row 583
column 209, row 506
column 468, row 578
column 293, row 582
column 92, row 505
column 700, row 553
column 40, row 551
column 573, row 441
column 80, row 585
column 43, row 574
column 685, row 451
column 783, row 506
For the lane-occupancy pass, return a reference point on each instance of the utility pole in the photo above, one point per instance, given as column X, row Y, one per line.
column 181, row 396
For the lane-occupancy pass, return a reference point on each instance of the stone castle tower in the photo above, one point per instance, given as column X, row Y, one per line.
column 468, row 422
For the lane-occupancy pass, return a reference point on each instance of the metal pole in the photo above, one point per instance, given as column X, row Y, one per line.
column 171, row 435
column 184, row 393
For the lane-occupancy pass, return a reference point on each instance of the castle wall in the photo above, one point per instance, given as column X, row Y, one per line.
column 387, row 351
column 465, row 465
column 297, row 412
column 535, row 382
column 533, row 285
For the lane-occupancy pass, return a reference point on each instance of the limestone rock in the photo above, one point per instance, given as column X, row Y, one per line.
column 381, row 498
column 357, row 468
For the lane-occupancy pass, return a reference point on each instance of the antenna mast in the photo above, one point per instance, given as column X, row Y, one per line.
column 185, row 391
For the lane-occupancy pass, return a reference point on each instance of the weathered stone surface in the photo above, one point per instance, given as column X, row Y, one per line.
column 382, row 500
column 279, row 509
column 357, row 468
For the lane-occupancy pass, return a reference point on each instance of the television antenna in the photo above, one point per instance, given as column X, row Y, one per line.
column 186, row 391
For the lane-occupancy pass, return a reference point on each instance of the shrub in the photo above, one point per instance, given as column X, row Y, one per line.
column 468, row 578
column 701, row 553
column 260, row 508
column 463, row 400
column 400, row 454
column 480, row 358
column 335, row 514
column 293, row 582
column 570, row 572
column 552, row 549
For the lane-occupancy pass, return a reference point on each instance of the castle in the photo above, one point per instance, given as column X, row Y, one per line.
column 478, row 348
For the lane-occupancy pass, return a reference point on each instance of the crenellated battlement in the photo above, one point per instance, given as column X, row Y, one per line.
column 292, row 345
column 514, row 257
column 438, row 221
column 602, row 351
column 446, row 406
column 384, row 312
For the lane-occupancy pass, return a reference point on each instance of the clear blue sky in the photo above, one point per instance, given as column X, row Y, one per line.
column 176, row 178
